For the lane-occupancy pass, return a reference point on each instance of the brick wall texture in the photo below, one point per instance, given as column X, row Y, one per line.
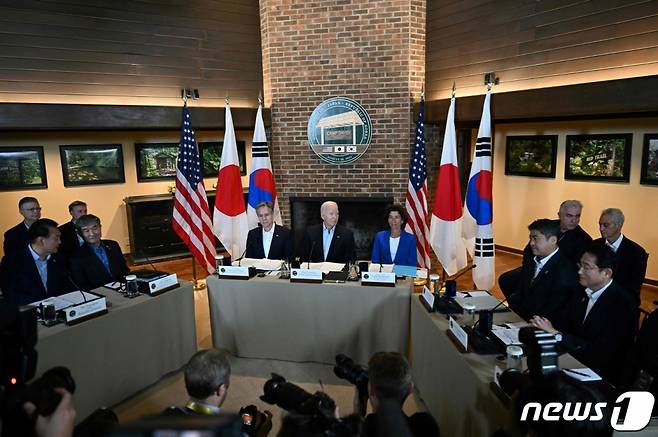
column 370, row 51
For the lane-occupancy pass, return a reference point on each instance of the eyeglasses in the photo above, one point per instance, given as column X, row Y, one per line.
column 32, row 209
column 586, row 267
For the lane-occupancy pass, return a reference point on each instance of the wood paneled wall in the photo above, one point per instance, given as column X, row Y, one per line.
column 537, row 43
column 129, row 51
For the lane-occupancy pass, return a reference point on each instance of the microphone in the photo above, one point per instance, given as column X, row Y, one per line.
column 308, row 265
column 464, row 271
column 381, row 266
column 148, row 260
column 239, row 260
column 503, row 301
column 84, row 298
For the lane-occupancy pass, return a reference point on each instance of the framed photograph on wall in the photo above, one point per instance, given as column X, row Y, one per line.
column 91, row 164
column 601, row 157
column 21, row 168
column 531, row 155
column 210, row 154
column 649, row 173
column 156, row 161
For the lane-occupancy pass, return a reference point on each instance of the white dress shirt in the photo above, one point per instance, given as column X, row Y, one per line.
column 327, row 235
column 615, row 244
column 267, row 240
column 540, row 263
column 593, row 297
column 394, row 243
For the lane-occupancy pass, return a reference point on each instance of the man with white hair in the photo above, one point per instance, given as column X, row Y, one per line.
column 631, row 265
column 328, row 241
column 573, row 239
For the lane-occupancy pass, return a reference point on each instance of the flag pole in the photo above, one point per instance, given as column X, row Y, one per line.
column 188, row 180
column 198, row 285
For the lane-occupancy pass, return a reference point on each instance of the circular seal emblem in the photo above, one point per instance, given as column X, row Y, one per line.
column 339, row 130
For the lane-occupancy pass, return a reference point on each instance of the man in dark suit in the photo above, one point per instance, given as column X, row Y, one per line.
column 71, row 240
column 98, row 261
column 17, row 238
column 328, row 241
column 389, row 385
column 573, row 241
column 268, row 240
column 631, row 257
column 598, row 325
column 548, row 279
column 36, row 272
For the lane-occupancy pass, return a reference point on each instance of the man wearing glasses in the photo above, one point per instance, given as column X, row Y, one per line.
column 17, row 238
column 598, row 325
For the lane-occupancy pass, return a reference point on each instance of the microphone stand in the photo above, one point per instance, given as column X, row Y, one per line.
column 308, row 264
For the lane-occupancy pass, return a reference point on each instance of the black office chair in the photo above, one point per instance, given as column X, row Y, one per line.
column 642, row 372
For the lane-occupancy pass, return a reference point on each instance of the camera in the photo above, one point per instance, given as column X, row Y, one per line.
column 18, row 362
column 252, row 419
column 290, row 397
column 317, row 410
column 356, row 374
column 540, row 348
column 542, row 359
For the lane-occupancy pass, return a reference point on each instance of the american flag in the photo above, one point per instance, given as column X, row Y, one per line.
column 416, row 203
column 191, row 213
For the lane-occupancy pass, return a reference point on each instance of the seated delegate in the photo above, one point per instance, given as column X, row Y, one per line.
column 328, row 241
column 268, row 240
column 97, row 261
column 395, row 246
column 36, row 272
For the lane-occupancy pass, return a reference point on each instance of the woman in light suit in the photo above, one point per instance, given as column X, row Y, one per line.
column 395, row 246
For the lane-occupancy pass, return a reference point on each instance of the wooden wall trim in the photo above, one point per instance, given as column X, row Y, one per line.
column 614, row 98
column 54, row 117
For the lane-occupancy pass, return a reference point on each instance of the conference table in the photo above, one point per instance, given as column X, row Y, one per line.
column 455, row 386
column 273, row 318
column 113, row 356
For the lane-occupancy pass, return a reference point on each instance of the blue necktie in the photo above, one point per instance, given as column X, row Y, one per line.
column 100, row 253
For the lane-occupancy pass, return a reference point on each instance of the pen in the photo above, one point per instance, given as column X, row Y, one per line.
column 577, row 372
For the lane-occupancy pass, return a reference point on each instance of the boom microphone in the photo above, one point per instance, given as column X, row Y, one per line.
column 308, row 266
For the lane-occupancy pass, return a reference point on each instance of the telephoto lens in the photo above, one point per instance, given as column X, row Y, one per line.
column 290, row 397
column 348, row 370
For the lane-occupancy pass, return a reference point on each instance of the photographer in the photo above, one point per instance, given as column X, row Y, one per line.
column 207, row 376
column 389, row 385
column 41, row 407
column 60, row 423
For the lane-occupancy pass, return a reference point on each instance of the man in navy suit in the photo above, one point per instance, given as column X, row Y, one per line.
column 328, row 241
column 71, row 240
column 598, row 325
column 98, row 261
column 268, row 240
column 572, row 240
column 36, row 272
column 631, row 257
column 17, row 237
column 548, row 278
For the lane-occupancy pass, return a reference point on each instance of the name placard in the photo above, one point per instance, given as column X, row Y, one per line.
column 161, row 285
column 83, row 311
column 428, row 297
column 458, row 333
column 378, row 278
column 233, row 272
column 306, row 275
